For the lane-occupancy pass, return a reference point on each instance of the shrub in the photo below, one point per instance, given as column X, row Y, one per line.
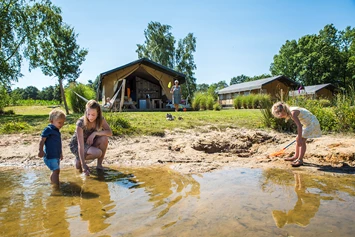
column 76, row 103
column 203, row 101
column 209, row 102
column 31, row 102
column 237, row 102
column 13, row 127
column 196, row 100
column 345, row 113
column 117, row 124
column 217, row 106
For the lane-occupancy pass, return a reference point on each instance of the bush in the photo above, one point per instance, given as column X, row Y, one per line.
column 13, row 127
column 203, row 101
column 117, row 124
column 76, row 103
column 237, row 102
column 217, row 106
column 209, row 102
column 196, row 101
column 345, row 114
column 31, row 102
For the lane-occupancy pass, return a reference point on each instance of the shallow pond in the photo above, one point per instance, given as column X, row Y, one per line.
column 160, row 202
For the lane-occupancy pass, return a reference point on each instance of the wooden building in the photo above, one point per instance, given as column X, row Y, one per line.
column 144, row 84
column 272, row 86
column 324, row 91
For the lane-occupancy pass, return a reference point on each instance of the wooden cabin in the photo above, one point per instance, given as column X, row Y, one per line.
column 271, row 86
column 322, row 91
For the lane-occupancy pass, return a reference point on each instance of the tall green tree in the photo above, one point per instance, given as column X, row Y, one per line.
column 286, row 62
column 159, row 46
column 185, row 63
column 61, row 57
column 238, row 79
column 326, row 57
column 24, row 26
column 30, row 92
column 202, row 87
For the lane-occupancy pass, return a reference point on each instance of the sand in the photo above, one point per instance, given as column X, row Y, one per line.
column 197, row 151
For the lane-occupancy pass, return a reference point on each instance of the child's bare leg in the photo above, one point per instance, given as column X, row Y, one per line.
column 297, row 152
column 101, row 144
column 302, row 149
column 55, row 177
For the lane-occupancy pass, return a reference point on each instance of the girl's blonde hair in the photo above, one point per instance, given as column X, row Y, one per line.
column 280, row 107
column 92, row 104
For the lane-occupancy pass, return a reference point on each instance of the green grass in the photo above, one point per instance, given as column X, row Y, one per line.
column 32, row 119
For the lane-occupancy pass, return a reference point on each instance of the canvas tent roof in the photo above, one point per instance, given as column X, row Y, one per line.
column 253, row 85
column 143, row 68
column 144, row 61
column 312, row 89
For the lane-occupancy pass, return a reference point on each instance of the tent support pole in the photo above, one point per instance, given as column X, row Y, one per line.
column 122, row 94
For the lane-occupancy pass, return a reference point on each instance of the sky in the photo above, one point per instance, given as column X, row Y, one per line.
column 233, row 37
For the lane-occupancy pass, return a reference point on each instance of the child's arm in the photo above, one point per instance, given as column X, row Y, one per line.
column 295, row 114
column 80, row 137
column 41, row 145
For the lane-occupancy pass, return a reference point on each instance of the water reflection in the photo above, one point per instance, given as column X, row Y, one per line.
column 161, row 202
column 166, row 187
column 305, row 208
column 310, row 190
column 87, row 205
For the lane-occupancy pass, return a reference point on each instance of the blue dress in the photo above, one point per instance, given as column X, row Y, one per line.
column 176, row 94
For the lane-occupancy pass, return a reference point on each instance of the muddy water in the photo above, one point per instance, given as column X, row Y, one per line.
column 160, row 202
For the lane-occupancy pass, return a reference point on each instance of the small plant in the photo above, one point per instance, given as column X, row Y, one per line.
column 13, row 127
column 217, row 106
column 118, row 125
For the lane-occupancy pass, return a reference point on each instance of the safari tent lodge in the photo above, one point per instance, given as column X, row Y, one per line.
column 141, row 85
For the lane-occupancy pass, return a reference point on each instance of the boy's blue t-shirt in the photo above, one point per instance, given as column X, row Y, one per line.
column 53, row 143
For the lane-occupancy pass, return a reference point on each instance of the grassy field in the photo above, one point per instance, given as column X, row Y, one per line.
column 32, row 119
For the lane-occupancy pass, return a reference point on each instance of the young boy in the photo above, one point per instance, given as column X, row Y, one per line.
column 52, row 144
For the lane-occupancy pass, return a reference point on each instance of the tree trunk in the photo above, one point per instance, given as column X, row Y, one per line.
column 63, row 96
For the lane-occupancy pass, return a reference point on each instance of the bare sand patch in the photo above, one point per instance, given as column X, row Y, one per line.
column 197, row 151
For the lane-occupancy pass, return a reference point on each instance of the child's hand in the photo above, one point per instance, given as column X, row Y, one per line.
column 61, row 157
column 86, row 170
column 90, row 139
column 40, row 154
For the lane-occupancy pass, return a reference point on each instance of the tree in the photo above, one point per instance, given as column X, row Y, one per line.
column 239, row 79
column 286, row 62
column 94, row 84
column 159, row 46
column 30, row 92
column 202, row 87
column 258, row 77
column 61, row 57
column 185, row 63
column 326, row 57
column 25, row 25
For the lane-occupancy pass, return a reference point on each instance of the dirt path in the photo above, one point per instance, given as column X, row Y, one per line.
column 192, row 151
